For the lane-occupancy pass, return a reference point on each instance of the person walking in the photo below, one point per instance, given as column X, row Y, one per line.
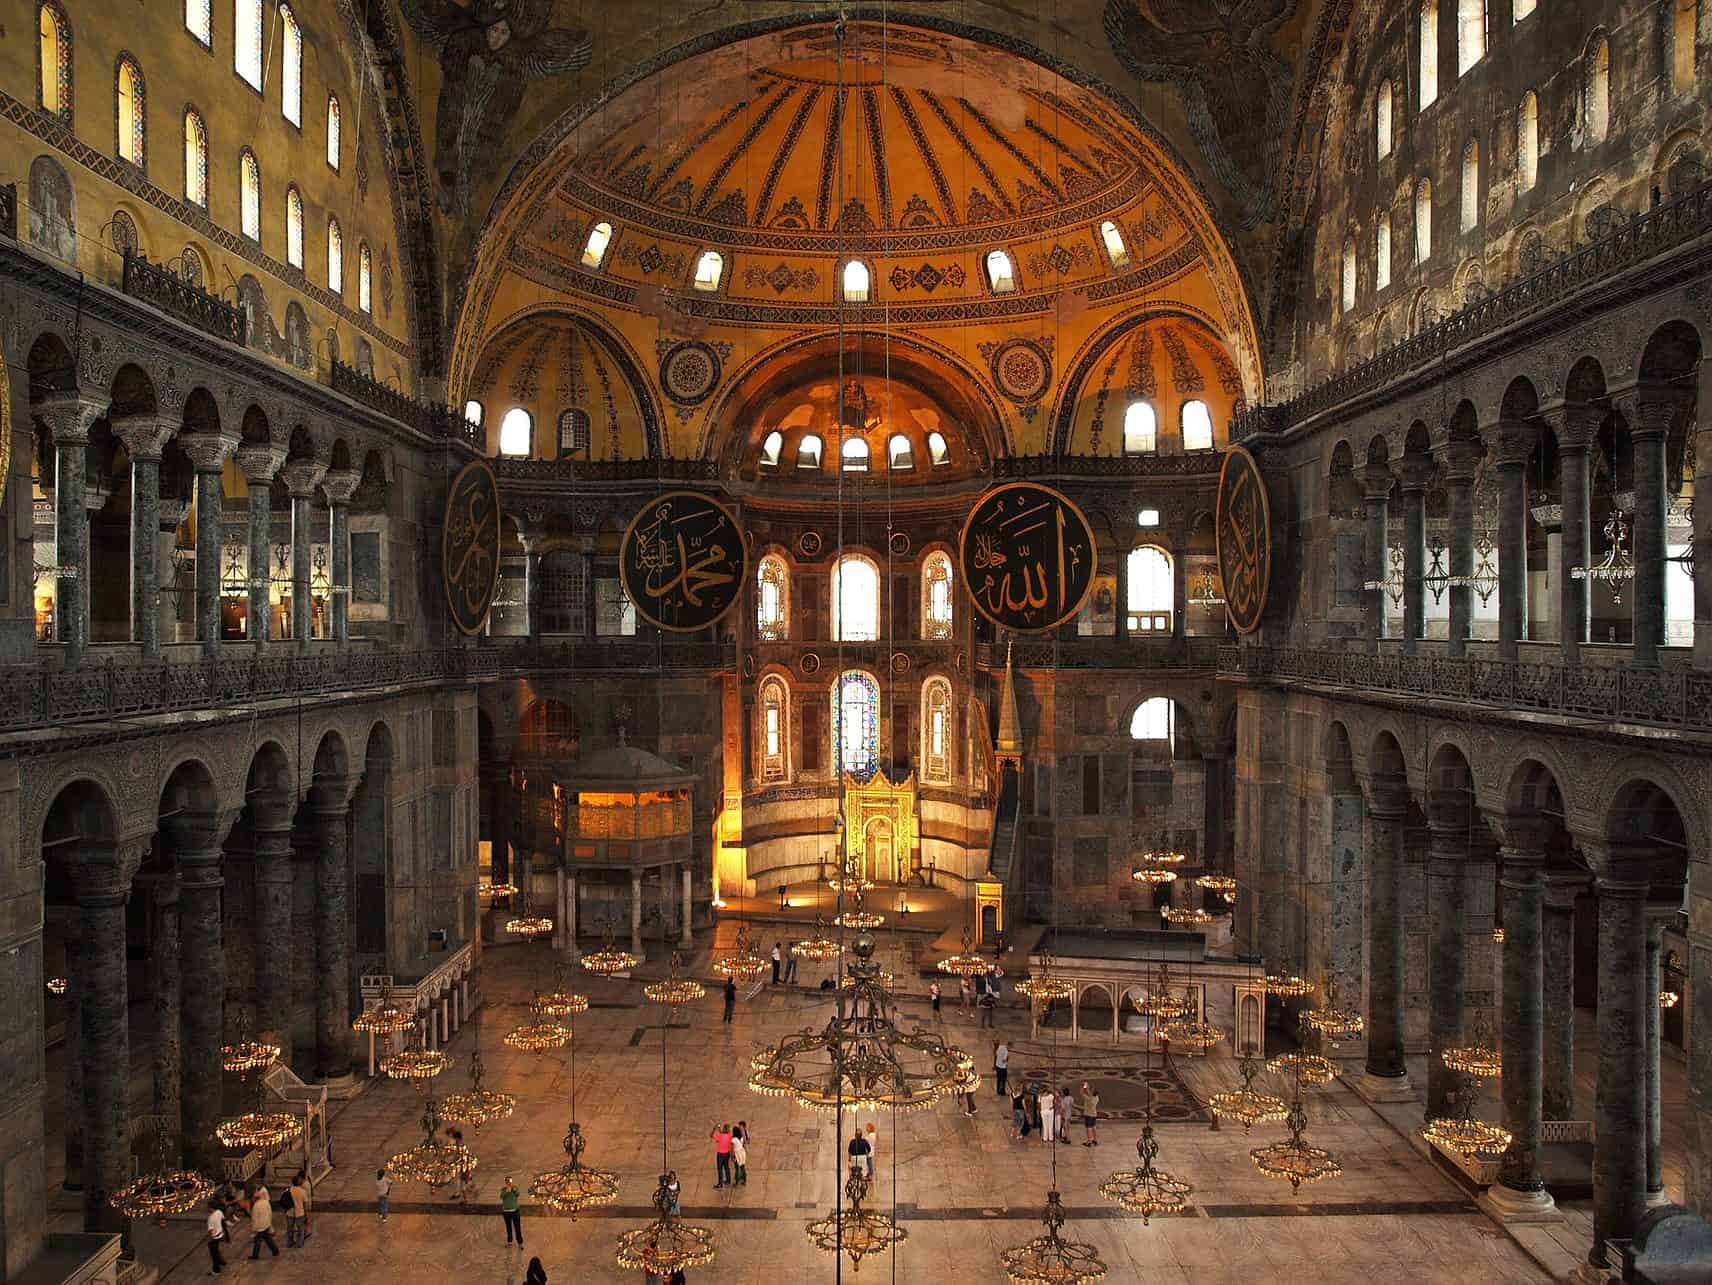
column 382, row 1191
column 1066, row 1110
column 1049, row 1115
column 739, row 1162
column 1019, row 1116
column 296, row 1213
column 730, row 998
column 261, row 1225
column 969, row 1103
column 873, row 1141
column 537, row 1274
column 1001, row 1066
column 721, row 1135
column 858, row 1149
column 510, row 1210
column 216, row 1234
column 933, row 994
column 777, row 958
column 1090, row 1115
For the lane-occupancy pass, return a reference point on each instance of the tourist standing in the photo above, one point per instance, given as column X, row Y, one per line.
column 674, row 1192
column 1049, row 1115
column 721, row 1136
column 963, row 989
column 1066, row 1110
column 873, row 1140
column 858, row 1149
column 933, row 994
column 216, row 1234
column 739, row 1162
column 1019, row 1117
column 296, row 1213
column 382, row 1191
column 511, row 1211
column 1090, row 1115
column 261, row 1225
column 777, row 958
column 730, row 998
column 988, row 1005
column 1001, row 1066
column 790, row 965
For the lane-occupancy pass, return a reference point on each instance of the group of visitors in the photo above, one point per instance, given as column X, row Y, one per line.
column 1037, row 1110
column 784, row 964
column 255, row 1203
column 731, row 1154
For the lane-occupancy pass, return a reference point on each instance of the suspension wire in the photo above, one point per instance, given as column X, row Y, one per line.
column 840, row 836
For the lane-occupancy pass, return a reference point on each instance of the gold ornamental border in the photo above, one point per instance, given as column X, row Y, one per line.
column 1093, row 550
column 742, row 548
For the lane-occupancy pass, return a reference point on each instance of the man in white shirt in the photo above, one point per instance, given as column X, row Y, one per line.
column 216, row 1234
column 1001, row 1065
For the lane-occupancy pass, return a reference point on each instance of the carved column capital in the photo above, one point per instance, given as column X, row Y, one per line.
column 1514, row 441
column 259, row 464
column 208, row 451
column 70, row 416
column 1574, row 424
column 1416, row 473
column 302, row 477
column 1459, row 456
column 172, row 511
column 339, row 484
column 1652, row 410
column 104, row 873
column 331, row 795
column 1376, row 480
column 145, row 436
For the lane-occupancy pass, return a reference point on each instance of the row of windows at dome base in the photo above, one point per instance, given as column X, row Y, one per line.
column 517, row 430
column 1141, row 427
column 855, row 598
column 856, row 278
column 853, row 455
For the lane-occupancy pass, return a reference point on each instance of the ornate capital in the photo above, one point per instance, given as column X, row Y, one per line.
column 208, row 451
column 1574, row 424
column 330, row 796
column 302, row 477
column 104, row 872
column 1416, row 474
column 259, row 464
column 1652, row 410
column 1388, row 798
column 96, row 494
column 1459, row 456
column 1376, row 482
column 1514, row 442
column 172, row 511
column 1521, row 836
column 70, row 416
column 339, row 483
column 145, row 436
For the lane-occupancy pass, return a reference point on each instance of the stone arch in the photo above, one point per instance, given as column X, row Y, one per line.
column 548, row 728
column 1643, row 814
column 1521, row 400
column 1607, row 796
column 1385, row 758
column 1672, row 353
column 371, row 850
column 132, row 392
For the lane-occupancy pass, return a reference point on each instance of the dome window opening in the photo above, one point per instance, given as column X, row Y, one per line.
column 594, row 249
column 1141, row 429
column 937, row 451
column 771, row 448
column 808, row 452
column 517, row 432
column 473, row 412
column 1001, row 275
column 900, row 455
column 856, row 280
column 1148, row 517
column 709, row 269
column 854, row 454
column 1116, row 250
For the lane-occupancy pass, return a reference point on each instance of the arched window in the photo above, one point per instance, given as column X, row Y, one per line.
column 856, row 282
column 1197, row 426
column 1001, row 276
column 1470, row 34
column 1141, row 429
column 1428, row 31
column 1152, row 720
column 937, row 451
column 809, row 452
column 1382, row 250
column 594, row 249
column 250, row 195
column 132, row 113
column 936, row 731
column 1348, row 274
column 900, row 455
column 517, row 432
column 854, row 454
column 1382, row 120
column 474, row 412
column 1423, row 219
column 1149, row 588
column 1147, row 517
column 774, row 739
column 291, row 67
column 1521, row 9
column 335, row 257
column 1528, row 141
column 936, row 608
column 1471, row 186
column 772, row 599
column 365, row 271
column 53, row 61
column 1112, row 236
column 199, row 19
column 708, row 270
column 333, row 131
column 1685, row 19
column 195, row 158
column 1599, row 90
column 771, row 446
column 856, row 723
column 247, row 41
column 855, row 600
column 575, row 432
column 294, row 226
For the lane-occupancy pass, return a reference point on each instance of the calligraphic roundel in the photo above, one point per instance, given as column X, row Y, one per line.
column 1243, row 524
column 469, row 545
column 683, row 562
column 1027, row 557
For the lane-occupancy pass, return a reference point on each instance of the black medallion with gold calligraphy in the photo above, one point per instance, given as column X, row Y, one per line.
column 1243, row 524
column 469, row 546
column 1027, row 557
column 683, row 561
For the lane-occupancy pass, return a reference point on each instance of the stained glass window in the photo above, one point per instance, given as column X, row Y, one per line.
column 294, row 227
column 775, row 721
column 53, row 72
column 335, row 257
column 365, row 267
column 247, row 46
column 132, row 115
column 936, row 597
column 250, row 195
column 195, row 158
column 772, row 618
column 856, row 724
column 291, row 77
column 935, row 729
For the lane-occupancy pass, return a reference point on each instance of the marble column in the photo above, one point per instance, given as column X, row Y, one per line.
column 1557, row 1090
column 145, row 436
column 1657, row 917
column 172, row 511
column 1520, row 1191
column 330, row 801
column 103, row 886
column 1651, row 412
column 1620, row 1133
column 1179, row 592
column 166, row 998
column 686, row 938
column 208, row 452
column 1460, row 457
column 571, row 914
column 1701, row 443
column 1376, row 493
column 259, row 464
column 301, row 479
column 636, row 914
column 532, row 536
column 203, row 1019
column 76, row 1104
column 1576, row 426
column 1447, row 849
column 1416, row 475
column 339, row 484
column 69, row 417
column 271, row 811
column 1515, row 442
column 1386, row 808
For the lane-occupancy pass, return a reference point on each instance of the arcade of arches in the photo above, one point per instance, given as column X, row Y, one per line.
column 1413, row 757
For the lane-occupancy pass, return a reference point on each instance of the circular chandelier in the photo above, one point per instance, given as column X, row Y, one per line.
column 675, row 990
column 529, row 927
column 1498, row 935
column 1190, row 1034
column 1474, row 1059
column 501, row 889
column 561, row 1003
column 1044, row 985
column 847, row 981
column 58, row 985
column 862, row 920
column 435, row 1160
column 1157, row 1001
column 1287, row 985
column 860, row 1060
column 1465, row 1135
column 1332, row 1022
column 573, row 1187
column 1185, row 915
column 853, row 1230
column 1221, row 884
column 664, row 1245
column 387, row 1017
column 852, row 883
column 745, row 962
column 1293, row 1159
column 1246, row 1105
column 1308, row 1068
column 161, row 1195
column 477, row 1106
column 1162, row 856
column 1050, row 1259
column 244, row 1055
column 965, row 963
column 1145, row 1190
column 1153, row 875
column 537, row 1037
column 609, row 960
column 819, row 947
column 258, row 1130
column 414, row 1064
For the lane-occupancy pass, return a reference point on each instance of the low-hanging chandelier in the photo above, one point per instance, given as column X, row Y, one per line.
column 258, row 1129
column 1616, row 568
column 1044, row 986
column 1185, row 915
column 1220, row 884
column 859, row 918
column 539, row 1035
column 1286, row 985
column 821, row 946
column 1305, row 1068
column 855, row 1230
column 1294, row 1159
column 437, row 1159
column 1332, row 1022
column 491, row 888
column 574, row 1186
column 966, row 962
column 745, row 962
column 1145, row 1190
column 387, row 1017
column 478, row 1105
column 1155, row 875
column 243, row 1054
column 1157, row 999
column 163, row 1190
column 664, row 1245
column 675, row 989
column 1049, row 1259
column 1248, row 1106
column 609, row 960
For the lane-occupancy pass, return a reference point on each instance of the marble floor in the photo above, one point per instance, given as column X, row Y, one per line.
column 963, row 1189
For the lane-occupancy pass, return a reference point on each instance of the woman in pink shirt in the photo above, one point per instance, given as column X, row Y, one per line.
column 721, row 1136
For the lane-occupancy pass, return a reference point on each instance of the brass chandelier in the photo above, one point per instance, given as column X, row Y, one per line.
column 745, row 962
column 417, row 1063
column 609, row 960
column 1461, row 1130
column 436, row 1160
column 1049, row 1259
column 560, row 1001
column 1153, row 875
column 1287, row 985
column 1332, row 1022
column 1044, row 986
column 1156, row 998
column 1304, row 1068
column 819, row 947
column 854, row 1230
column 574, row 1187
column 477, row 1105
column 537, row 1036
column 163, row 1191
column 675, row 989
column 491, row 889
column 1145, row 1190
column 529, row 927
column 664, row 1245
column 1247, row 1106
column 1181, row 915
column 966, row 962
column 259, row 1129
column 387, row 1017
column 244, row 1055
column 58, row 985
column 1294, row 1159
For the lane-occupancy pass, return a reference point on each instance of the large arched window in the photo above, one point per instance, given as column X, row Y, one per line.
column 1382, row 120
column 333, row 127
column 1423, row 219
column 132, row 134
column 365, row 272
column 53, row 61
column 291, row 67
column 1152, row 720
column 517, row 432
column 1382, row 250
column 335, row 257
column 1528, row 141
column 1197, row 426
column 774, row 733
column 1001, row 274
column 936, row 608
column 856, row 279
column 294, row 226
column 195, row 158
column 936, row 758
column 247, row 41
column 1470, row 34
column 856, row 723
column 199, row 20
column 808, row 452
column 1140, row 429
column 1347, row 275
column 772, row 599
column 854, row 454
column 594, row 248
column 900, row 455
column 1149, row 590
column 937, row 451
column 1471, row 186
column 1598, row 90
column 771, row 447
column 855, row 600
column 250, row 195
column 1428, row 33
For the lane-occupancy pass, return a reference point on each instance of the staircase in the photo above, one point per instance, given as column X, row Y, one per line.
column 1005, row 825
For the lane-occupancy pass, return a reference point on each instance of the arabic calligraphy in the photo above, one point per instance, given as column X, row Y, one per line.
column 1027, row 557
column 1243, row 524
column 469, row 546
column 683, row 561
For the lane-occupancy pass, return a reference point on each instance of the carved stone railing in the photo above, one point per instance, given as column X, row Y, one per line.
column 9, row 210
column 1105, row 653
column 512, row 469
column 1674, row 223
column 434, row 418
column 40, row 695
column 1189, row 464
column 1607, row 693
column 183, row 300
